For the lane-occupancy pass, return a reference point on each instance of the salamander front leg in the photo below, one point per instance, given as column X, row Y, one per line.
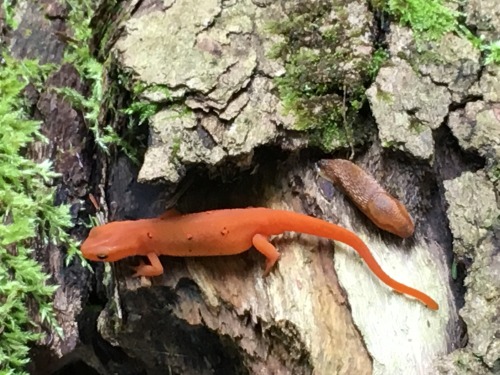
column 153, row 269
column 262, row 244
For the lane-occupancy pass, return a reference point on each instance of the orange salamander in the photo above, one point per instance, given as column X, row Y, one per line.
column 220, row 232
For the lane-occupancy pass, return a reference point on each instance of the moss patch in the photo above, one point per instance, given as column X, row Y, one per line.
column 27, row 212
column 431, row 19
column 325, row 78
column 80, row 55
column 105, row 87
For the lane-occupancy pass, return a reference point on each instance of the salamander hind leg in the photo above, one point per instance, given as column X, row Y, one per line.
column 153, row 269
column 262, row 244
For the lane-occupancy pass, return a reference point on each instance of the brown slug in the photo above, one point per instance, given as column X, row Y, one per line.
column 382, row 209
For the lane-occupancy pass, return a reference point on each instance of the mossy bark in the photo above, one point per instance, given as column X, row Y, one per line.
column 321, row 311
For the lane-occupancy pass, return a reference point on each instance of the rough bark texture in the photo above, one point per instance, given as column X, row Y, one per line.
column 67, row 148
column 320, row 311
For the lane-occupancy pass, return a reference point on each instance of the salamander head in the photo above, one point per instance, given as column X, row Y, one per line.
column 112, row 241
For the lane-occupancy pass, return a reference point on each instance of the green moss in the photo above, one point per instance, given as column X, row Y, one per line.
column 109, row 14
column 390, row 144
column 317, row 88
column 416, row 126
column 385, row 96
column 142, row 109
column 27, row 212
column 80, row 56
column 8, row 11
column 492, row 52
column 491, row 49
column 429, row 19
column 379, row 57
column 99, row 104
column 493, row 171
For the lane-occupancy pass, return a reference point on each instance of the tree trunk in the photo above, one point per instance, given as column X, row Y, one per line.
column 220, row 138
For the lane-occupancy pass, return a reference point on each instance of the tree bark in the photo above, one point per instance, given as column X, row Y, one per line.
column 321, row 311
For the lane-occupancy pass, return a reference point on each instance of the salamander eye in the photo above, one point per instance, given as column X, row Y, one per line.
column 102, row 256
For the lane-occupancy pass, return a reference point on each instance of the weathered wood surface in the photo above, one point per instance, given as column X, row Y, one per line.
column 320, row 311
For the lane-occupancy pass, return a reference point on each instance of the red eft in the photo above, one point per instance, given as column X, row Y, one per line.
column 220, row 232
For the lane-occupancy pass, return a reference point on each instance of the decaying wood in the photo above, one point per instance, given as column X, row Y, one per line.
column 297, row 320
column 320, row 311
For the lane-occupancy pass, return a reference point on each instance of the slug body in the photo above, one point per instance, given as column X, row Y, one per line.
column 378, row 205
